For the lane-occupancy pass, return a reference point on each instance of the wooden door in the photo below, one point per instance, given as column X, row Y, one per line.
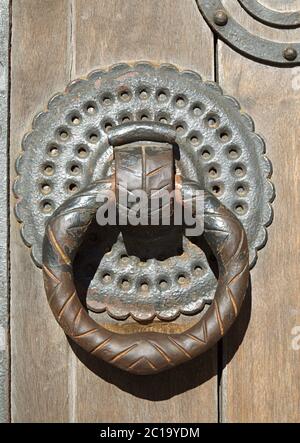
column 253, row 374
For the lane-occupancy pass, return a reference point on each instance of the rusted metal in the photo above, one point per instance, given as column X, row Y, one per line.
column 70, row 146
column 83, row 140
column 218, row 146
column 146, row 352
column 154, row 272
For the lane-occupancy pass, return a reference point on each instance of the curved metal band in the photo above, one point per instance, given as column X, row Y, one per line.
column 134, row 132
column 269, row 17
column 149, row 352
column 256, row 48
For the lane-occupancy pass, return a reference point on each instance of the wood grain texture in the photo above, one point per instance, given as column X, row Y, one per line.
column 4, row 223
column 112, row 31
column 54, row 41
column 106, row 32
column 261, row 382
column 40, row 67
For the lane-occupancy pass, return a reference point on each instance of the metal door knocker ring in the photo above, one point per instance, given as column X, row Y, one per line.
column 148, row 128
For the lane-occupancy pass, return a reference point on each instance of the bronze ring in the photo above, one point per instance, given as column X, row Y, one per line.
column 147, row 352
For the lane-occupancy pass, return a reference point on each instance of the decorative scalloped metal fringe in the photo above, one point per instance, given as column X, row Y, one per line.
column 68, row 147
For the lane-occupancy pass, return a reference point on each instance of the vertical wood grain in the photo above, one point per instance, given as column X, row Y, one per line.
column 261, row 381
column 40, row 67
column 106, row 32
column 52, row 42
column 56, row 40
column 4, row 256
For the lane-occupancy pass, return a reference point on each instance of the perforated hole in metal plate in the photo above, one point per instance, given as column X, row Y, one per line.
column 67, row 149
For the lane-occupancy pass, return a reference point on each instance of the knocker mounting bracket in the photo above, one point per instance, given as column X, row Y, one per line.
column 68, row 156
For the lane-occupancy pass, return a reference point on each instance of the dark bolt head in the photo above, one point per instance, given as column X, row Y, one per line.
column 220, row 17
column 290, row 53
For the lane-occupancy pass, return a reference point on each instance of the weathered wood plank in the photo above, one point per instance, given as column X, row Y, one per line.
column 104, row 33
column 261, row 381
column 4, row 295
column 40, row 67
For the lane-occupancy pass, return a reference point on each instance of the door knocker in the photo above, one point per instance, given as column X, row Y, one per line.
column 150, row 128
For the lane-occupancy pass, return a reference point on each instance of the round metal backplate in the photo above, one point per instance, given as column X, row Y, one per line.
column 68, row 148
